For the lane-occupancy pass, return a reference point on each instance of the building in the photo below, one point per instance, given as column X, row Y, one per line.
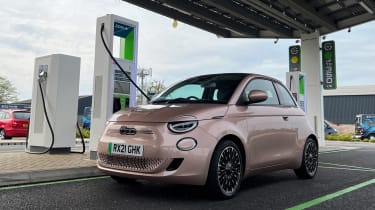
column 341, row 105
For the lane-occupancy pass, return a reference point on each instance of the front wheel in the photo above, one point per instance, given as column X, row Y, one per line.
column 226, row 170
column 309, row 165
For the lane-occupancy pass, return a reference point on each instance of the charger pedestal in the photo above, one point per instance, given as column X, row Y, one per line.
column 59, row 77
column 108, row 80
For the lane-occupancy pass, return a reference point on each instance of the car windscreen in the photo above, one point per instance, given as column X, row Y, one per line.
column 21, row 115
column 368, row 120
column 202, row 89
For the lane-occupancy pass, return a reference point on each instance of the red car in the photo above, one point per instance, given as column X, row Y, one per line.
column 13, row 123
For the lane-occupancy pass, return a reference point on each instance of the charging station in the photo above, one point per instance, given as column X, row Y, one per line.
column 108, row 81
column 57, row 76
column 296, row 83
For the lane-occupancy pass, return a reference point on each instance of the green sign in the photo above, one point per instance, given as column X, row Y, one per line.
column 295, row 58
column 329, row 65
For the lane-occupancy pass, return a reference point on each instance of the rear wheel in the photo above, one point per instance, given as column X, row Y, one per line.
column 226, row 169
column 309, row 165
column 3, row 135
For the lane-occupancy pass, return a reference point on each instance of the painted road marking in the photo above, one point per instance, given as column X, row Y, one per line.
column 331, row 196
column 52, row 183
column 335, row 164
column 333, row 151
column 348, row 169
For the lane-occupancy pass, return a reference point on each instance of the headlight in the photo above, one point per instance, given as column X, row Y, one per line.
column 182, row 127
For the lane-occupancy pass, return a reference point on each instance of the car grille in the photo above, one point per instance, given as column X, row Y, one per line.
column 129, row 163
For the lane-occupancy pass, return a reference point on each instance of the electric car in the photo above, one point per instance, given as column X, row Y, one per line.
column 212, row 130
column 13, row 123
column 328, row 130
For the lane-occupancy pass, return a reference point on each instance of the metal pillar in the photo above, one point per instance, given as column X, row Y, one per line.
column 310, row 64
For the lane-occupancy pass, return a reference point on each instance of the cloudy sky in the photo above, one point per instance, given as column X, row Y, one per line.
column 32, row 29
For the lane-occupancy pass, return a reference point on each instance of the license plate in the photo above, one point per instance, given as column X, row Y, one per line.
column 126, row 149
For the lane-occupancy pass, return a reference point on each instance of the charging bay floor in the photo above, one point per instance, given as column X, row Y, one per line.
column 346, row 180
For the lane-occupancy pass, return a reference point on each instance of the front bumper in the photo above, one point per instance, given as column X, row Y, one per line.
column 161, row 160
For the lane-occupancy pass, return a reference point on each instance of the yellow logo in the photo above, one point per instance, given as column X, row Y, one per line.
column 294, row 59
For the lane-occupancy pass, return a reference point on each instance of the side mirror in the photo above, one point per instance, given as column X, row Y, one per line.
column 256, row 96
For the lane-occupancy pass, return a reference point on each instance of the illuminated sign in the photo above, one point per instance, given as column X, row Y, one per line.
column 295, row 58
column 329, row 65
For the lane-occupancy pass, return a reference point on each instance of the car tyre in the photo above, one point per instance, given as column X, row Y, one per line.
column 123, row 180
column 3, row 135
column 309, row 165
column 226, row 171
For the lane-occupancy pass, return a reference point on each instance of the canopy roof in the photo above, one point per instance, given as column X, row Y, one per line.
column 264, row 18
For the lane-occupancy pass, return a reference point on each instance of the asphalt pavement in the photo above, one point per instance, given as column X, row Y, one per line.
column 345, row 180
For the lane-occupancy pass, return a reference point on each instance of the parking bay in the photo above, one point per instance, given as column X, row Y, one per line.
column 345, row 181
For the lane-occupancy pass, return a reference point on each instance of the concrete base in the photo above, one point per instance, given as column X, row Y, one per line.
column 93, row 155
column 36, row 149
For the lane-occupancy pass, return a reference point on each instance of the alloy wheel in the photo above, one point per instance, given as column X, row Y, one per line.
column 311, row 157
column 229, row 170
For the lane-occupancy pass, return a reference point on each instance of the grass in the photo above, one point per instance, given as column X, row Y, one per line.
column 346, row 137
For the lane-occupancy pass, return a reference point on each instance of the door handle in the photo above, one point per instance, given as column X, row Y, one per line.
column 285, row 118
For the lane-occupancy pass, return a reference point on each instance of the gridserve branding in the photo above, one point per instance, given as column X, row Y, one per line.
column 121, row 29
column 329, row 65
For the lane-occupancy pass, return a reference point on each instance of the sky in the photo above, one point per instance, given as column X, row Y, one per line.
column 32, row 29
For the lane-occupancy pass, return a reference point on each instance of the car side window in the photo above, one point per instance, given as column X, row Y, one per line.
column 1, row 115
column 6, row 116
column 284, row 96
column 266, row 86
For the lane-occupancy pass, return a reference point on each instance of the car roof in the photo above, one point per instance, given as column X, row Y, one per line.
column 14, row 110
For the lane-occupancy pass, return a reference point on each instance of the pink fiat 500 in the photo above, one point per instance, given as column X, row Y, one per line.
column 212, row 130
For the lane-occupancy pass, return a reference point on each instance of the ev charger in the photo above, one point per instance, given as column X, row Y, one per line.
column 296, row 83
column 105, row 79
column 58, row 75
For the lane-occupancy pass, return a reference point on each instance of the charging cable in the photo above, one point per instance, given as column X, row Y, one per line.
column 290, row 82
column 42, row 78
column 47, row 118
column 122, row 70
column 82, row 141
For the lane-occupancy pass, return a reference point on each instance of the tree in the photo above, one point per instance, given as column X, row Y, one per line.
column 156, row 87
column 8, row 92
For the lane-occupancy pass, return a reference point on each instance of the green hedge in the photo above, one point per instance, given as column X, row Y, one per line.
column 85, row 133
column 346, row 137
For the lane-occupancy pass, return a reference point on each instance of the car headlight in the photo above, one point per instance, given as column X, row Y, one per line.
column 182, row 127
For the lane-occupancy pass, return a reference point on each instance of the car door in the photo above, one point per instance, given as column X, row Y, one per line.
column 269, row 131
column 295, row 118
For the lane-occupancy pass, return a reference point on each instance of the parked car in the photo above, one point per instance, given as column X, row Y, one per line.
column 86, row 118
column 212, row 130
column 329, row 129
column 364, row 126
column 13, row 123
